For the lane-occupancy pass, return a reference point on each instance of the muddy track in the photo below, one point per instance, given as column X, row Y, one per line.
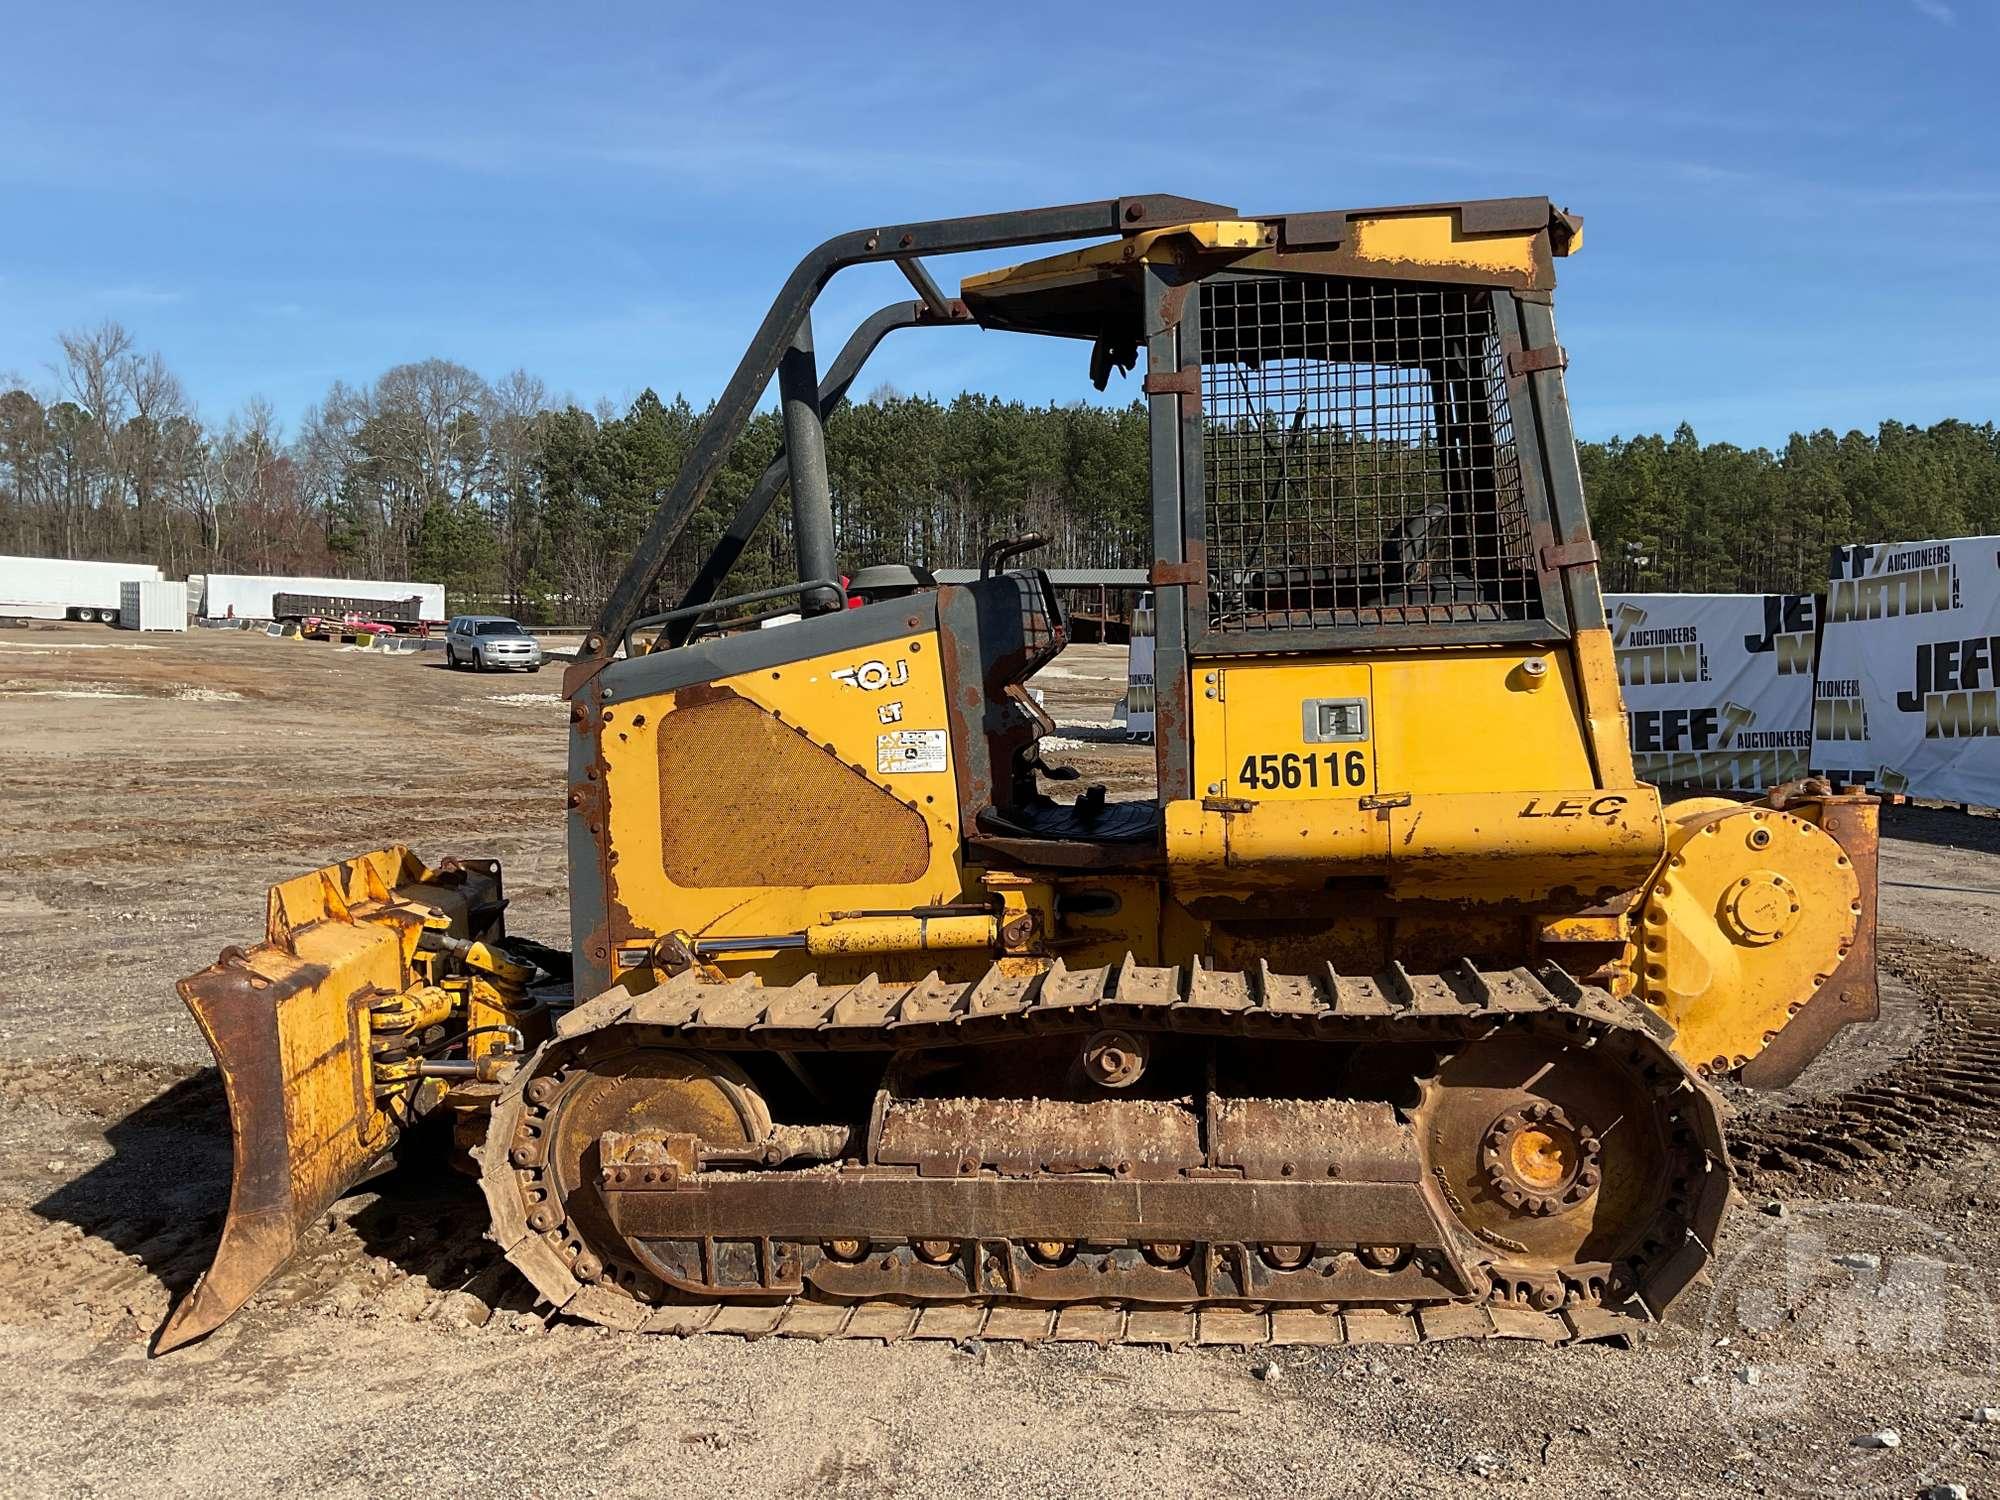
column 1926, row 1109
column 54, row 1270
column 594, row 1280
column 104, row 1088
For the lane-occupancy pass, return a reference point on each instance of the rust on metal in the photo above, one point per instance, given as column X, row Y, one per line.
column 1852, row 992
column 237, row 1012
column 1316, row 231
column 1115, row 1059
column 970, row 772
column 1017, row 935
column 1184, row 383
column 291, row 1028
column 877, row 1205
column 1531, row 361
column 1555, row 557
column 1160, row 1196
column 594, row 894
column 748, row 800
column 1314, row 1139
column 1127, row 1138
column 1538, row 1160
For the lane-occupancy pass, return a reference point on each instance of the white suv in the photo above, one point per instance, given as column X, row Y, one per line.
column 491, row 643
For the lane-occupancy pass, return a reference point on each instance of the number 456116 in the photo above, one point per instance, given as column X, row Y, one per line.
column 1292, row 771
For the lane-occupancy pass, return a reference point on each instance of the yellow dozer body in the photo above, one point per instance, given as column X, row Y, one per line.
column 1396, row 1002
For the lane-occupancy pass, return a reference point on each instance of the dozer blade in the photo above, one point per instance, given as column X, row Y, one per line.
column 290, row 1024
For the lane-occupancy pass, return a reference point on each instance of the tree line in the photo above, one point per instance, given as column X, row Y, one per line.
column 1675, row 515
column 517, row 501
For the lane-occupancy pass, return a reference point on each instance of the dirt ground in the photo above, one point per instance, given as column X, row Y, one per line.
column 154, row 786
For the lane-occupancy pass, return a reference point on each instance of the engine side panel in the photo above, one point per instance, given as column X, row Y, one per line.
column 816, row 778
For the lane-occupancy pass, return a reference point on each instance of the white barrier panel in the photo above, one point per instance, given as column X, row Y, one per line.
column 1139, row 673
column 1907, row 699
column 1718, row 687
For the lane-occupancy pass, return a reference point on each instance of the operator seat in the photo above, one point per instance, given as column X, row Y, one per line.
column 995, row 634
column 888, row 581
column 1422, row 562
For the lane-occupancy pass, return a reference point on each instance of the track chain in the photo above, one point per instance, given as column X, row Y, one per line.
column 879, row 1015
column 1112, row 1323
column 1463, row 1001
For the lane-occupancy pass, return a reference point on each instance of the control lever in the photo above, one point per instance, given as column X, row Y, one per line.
column 1032, row 759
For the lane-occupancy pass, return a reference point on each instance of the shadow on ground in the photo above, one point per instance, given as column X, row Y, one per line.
column 161, row 1195
column 1944, row 827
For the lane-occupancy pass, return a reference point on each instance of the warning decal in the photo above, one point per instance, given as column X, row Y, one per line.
column 911, row 750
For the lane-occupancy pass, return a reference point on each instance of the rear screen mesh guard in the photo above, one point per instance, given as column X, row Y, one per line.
column 1360, row 466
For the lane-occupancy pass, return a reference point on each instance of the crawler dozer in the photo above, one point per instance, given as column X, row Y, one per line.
column 1394, row 1014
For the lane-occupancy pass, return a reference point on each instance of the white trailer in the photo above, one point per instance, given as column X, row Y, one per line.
column 54, row 588
column 246, row 596
column 152, row 604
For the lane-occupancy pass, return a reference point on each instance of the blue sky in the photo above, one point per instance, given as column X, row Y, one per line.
column 1792, row 210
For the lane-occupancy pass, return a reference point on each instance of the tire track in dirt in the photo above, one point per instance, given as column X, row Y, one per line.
column 1926, row 1109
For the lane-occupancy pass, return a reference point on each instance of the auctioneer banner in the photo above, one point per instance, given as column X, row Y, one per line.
column 1139, row 700
column 1718, row 687
column 1907, row 698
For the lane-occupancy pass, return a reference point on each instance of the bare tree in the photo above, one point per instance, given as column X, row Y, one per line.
column 184, row 461
column 89, row 374
column 157, row 400
column 515, row 411
column 24, row 456
column 92, row 370
column 329, row 456
column 243, row 478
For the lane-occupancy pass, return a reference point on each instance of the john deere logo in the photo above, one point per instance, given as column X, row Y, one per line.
column 1655, row 658
column 1953, row 688
column 1885, row 583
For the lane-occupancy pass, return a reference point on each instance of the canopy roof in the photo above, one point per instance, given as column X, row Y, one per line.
column 1093, row 293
